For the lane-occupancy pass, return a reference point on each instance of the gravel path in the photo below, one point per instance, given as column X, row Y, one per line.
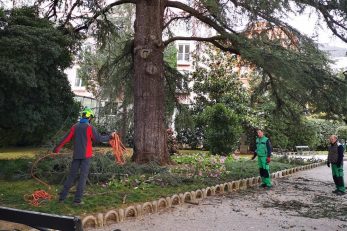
column 300, row 202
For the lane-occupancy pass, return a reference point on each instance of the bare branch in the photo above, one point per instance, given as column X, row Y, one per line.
column 330, row 23
column 325, row 9
column 198, row 15
column 68, row 17
column 175, row 19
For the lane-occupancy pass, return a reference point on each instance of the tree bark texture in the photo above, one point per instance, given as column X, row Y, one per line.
column 149, row 126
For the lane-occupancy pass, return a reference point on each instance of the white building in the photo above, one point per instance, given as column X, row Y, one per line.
column 86, row 98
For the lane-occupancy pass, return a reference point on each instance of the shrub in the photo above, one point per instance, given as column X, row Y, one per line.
column 102, row 169
column 222, row 129
column 342, row 132
column 39, row 101
column 15, row 169
column 324, row 129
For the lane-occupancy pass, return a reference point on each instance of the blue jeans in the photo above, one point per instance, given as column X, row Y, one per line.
column 76, row 165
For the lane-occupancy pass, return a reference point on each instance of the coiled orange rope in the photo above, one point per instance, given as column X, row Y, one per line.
column 33, row 168
column 118, row 148
column 38, row 196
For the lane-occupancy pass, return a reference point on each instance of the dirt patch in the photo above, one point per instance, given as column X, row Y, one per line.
column 9, row 226
column 312, row 199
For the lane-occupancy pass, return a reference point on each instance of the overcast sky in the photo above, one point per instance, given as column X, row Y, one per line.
column 306, row 24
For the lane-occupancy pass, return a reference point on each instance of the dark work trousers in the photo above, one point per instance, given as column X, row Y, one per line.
column 83, row 166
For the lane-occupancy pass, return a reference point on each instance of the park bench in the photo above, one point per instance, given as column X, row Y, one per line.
column 302, row 150
column 41, row 221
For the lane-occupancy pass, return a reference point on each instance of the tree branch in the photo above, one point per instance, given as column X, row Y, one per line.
column 176, row 18
column 102, row 11
column 324, row 9
column 198, row 15
column 212, row 40
column 68, row 17
column 330, row 23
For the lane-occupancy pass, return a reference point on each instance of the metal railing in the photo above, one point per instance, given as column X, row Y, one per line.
column 41, row 221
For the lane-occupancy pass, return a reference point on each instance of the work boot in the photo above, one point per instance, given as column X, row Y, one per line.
column 262, row 185
column 77, row 203
column 335, row 191
column 340, row 193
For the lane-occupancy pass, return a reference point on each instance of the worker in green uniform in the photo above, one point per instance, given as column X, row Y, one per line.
column 335, row 158
column 263, row 151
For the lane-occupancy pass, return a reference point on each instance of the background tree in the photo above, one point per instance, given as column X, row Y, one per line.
column 35, row 95
column 216, row 80
column 189, row 128
column 302, row 65
column 223, row 129
column 107, row 69
column 342, row 132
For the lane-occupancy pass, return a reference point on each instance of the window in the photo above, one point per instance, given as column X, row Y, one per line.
column 182, row 84
column 183, row 52
column 79, row 82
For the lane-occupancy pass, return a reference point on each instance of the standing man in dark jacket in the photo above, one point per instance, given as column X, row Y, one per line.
column 263, row 151
column 83, row 134
column 335, row 158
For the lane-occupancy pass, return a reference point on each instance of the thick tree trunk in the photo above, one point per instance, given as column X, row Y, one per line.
column 149, row 126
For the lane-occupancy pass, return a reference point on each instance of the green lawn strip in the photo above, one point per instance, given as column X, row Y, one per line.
column 15, row 153
column 96, row 199
column 99, row 198
column 188, row 152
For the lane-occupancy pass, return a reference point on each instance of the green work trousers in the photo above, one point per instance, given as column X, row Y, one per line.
column 264, row 170
column 338, row 177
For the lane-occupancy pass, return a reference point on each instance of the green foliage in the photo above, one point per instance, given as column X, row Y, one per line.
column 222, row 129
column 296, row 77
column 342, row 132
column 294, row 73
column 286, row 133
column 324, row 129
column 35, row 95
column 102, row 169
column 188, row 131
column 215, row 81
column 126, row 184
column 170, row 55
column 15, row 169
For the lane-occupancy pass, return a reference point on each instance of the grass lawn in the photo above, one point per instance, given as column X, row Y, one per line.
column 189, row 151
column 15, row 153
column 193, row 170
column 96, row 198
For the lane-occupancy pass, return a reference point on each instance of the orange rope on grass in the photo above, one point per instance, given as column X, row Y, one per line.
column 33, row 168
column 37, row 197
column 118, row 149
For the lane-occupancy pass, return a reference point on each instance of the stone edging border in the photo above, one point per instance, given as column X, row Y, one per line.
column 100, row 220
